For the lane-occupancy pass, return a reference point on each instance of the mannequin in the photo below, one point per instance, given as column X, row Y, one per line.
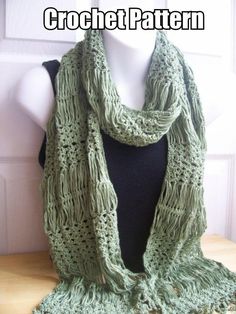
column 128, row 54
column 128, row 72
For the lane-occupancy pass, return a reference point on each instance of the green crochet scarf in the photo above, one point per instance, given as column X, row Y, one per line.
column 80, row 202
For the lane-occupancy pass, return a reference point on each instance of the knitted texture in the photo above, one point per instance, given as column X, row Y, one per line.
column 80, row 218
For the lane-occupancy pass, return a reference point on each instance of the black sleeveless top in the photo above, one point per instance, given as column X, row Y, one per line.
column 137, row 174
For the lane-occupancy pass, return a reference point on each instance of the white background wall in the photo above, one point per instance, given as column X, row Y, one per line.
column 25, row 44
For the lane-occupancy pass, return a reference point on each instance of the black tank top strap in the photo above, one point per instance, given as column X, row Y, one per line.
column 52, row 67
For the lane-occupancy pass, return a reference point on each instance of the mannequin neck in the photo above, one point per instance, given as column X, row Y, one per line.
column 129, row 62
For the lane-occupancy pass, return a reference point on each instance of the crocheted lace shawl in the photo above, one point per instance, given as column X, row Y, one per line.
column 80, row 202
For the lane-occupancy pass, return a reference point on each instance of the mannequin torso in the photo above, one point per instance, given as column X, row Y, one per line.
column 137, row 191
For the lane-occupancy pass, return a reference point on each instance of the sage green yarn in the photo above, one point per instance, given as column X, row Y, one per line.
column 80, row 202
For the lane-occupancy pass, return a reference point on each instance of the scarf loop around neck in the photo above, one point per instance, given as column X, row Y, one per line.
column 80, row 201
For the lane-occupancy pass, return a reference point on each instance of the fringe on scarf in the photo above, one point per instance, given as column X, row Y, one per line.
column 205, row 288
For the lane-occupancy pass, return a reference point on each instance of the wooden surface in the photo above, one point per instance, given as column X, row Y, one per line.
column 26, row 278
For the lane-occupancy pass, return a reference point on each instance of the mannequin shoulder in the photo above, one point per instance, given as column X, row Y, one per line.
column 36, row 81
column 34, row 94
